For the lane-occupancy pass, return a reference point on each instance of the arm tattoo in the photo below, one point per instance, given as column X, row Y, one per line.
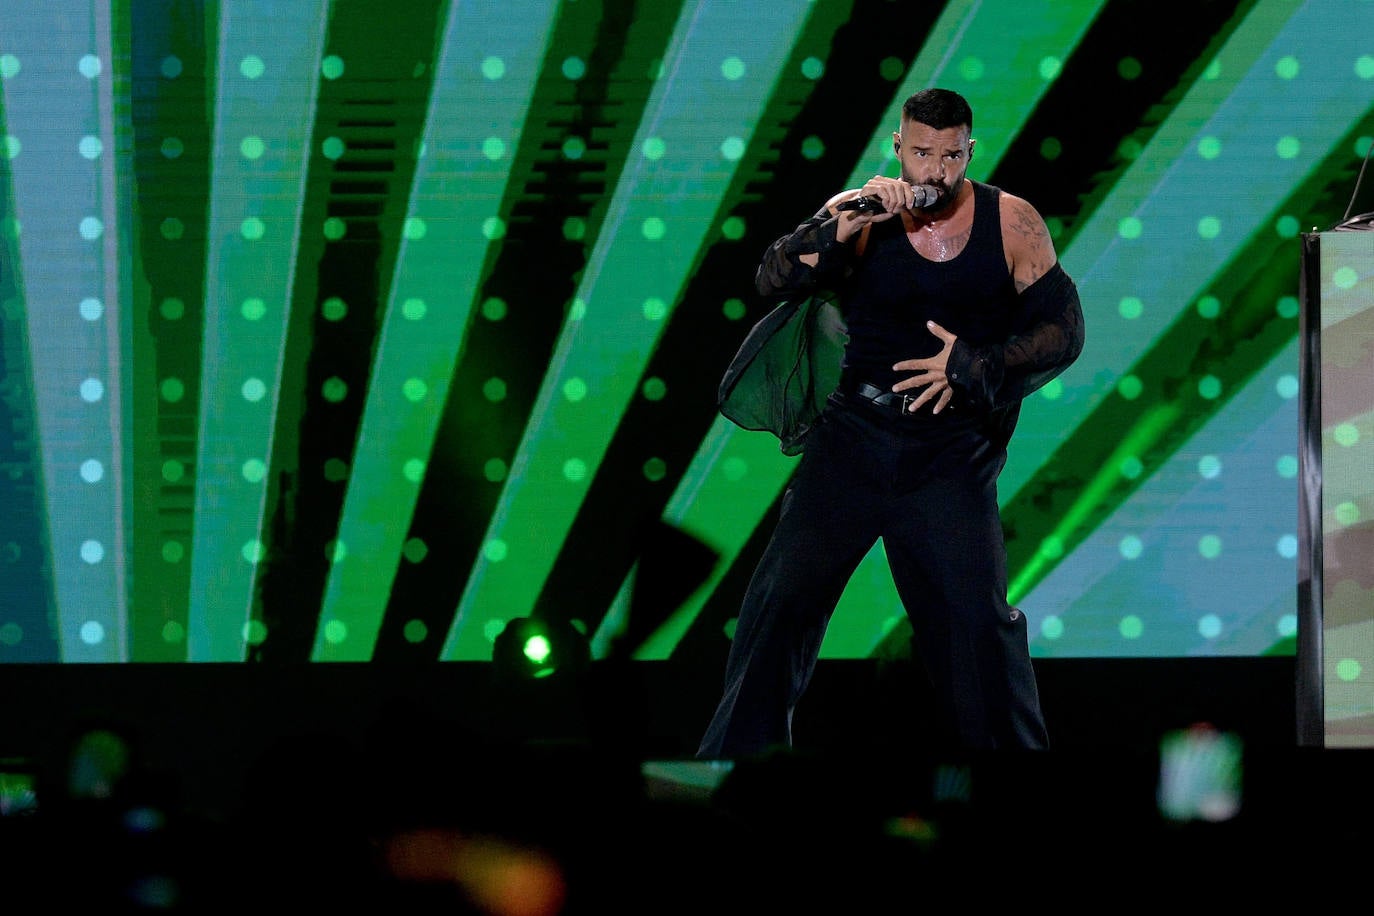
column 1034, row 251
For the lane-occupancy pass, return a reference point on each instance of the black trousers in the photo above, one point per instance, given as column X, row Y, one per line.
column 932, row 498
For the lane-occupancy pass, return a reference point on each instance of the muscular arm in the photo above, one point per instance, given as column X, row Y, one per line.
column 1026, row 240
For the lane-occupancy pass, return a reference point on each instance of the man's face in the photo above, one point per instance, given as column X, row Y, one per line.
column 938, row 158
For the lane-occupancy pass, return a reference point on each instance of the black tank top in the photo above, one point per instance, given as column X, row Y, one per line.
column 895, row 290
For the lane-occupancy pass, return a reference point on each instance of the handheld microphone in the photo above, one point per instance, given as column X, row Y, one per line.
column 925, row 196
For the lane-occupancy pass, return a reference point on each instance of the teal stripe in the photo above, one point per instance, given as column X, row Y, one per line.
column 275, row 101
column 63, row 92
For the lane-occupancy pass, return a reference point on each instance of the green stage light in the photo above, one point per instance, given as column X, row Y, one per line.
column 538, row 649
column 532, row 648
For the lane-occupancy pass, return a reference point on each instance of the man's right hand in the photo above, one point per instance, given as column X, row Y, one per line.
column 895, row 194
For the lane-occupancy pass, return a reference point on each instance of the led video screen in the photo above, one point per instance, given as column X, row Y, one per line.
column 350, row 332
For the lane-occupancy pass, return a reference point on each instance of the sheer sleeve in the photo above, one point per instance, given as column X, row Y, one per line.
column 781, row 272
column 1048, row 338
column 790, row 362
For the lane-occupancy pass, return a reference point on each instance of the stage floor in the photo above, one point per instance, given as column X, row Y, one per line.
column 208, row 724
column 303, row 776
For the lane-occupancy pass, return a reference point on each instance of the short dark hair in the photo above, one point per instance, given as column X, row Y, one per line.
column 938, row 108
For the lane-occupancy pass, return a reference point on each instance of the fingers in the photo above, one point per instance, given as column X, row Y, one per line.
column 945, row 336
column 920, row 401
column 925, row 364
column 940, row 332
column 934, row 393
column 931, row 374
column 895, row 193
column 917, row 381
column 940, row 395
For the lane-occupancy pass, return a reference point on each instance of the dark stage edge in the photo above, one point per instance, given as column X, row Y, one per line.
column 298, row 776
column 209, row 724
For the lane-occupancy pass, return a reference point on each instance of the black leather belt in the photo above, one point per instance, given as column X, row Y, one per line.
column 896, row 401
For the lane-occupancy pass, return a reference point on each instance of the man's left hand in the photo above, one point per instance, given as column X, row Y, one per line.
column 931, row 374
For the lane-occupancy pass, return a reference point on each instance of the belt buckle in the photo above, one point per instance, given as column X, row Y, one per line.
column 907, row 401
